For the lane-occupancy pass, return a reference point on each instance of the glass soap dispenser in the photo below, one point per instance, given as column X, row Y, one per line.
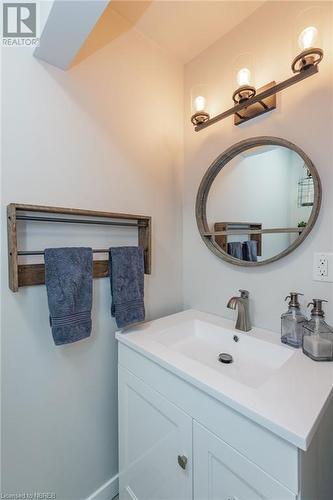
column 292, row 322
column 318, row 335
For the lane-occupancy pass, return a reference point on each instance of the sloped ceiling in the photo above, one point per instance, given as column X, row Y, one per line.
column 75, row 29
column 185, row 28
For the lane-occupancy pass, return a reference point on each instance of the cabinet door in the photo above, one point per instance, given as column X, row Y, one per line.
column 221, row 473
column 155, row 444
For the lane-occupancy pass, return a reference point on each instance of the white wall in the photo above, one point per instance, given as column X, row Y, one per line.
column 304, row 116
column 105, row 135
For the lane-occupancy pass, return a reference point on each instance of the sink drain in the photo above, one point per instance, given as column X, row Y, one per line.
column 226, row 358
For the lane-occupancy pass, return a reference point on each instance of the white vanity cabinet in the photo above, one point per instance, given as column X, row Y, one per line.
column 221, row 473
column 180, row 438
column 155, row 453
column 161, row 447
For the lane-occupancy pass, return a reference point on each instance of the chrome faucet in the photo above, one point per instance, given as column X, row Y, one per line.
column 243, row 322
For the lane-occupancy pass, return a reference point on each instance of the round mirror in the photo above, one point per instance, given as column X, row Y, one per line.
column 258, row 201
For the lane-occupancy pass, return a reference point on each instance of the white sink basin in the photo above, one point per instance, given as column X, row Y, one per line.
column 276, row 386
column 254, row 361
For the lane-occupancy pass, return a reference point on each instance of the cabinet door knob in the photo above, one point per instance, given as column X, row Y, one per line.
column 182, row 461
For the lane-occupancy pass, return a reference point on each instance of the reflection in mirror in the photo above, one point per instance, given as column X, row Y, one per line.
column 260, row 202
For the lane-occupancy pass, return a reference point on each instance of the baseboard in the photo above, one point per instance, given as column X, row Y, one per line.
column 107, row 491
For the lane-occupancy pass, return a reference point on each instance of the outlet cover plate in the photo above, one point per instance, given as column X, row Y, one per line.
column 323, row 267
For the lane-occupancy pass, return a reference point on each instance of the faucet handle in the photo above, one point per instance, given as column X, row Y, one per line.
column 244, row 294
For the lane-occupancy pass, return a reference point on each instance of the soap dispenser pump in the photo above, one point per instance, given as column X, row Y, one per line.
column 318, row 335
column 292, row 322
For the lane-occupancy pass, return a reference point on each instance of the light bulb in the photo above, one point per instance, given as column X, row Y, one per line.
column 199, row 103
column 243, row 77
column 307, row 37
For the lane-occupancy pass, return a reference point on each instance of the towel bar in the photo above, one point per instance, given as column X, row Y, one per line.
column 41, row 252
column 34, row 274
column 79, row 221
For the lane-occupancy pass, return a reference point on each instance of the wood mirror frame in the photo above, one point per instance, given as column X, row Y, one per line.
column 219, row 164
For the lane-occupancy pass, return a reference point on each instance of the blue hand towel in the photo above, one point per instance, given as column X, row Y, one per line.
column 235, row 249
column 250, row 251
column 68, row 279
column 127, row 285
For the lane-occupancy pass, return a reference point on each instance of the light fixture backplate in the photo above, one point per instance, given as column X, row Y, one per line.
column 258, row 108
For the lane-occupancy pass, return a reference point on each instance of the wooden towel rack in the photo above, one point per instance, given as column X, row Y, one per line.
column 34, row 274
column 224, row 229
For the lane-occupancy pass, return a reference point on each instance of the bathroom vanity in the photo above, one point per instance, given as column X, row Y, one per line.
column 191, row 427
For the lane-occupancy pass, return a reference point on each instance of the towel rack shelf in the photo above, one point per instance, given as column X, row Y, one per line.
column 256, row 231
column 223, row 229
column 34, row 274
column 79, row 221
column 41, row 252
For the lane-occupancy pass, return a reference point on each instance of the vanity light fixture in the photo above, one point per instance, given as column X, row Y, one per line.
column 310, row 55
column 200, row 116
column 245, row 91
column 250, row 102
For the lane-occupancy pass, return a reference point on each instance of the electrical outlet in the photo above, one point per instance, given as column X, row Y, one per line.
column 323, row 267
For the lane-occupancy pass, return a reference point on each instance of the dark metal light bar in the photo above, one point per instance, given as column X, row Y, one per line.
column 312, row 70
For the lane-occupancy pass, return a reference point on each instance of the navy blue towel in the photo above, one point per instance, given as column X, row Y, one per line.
column 250, row 250
column 235, row 249
column 68, row 279
column 127, row 285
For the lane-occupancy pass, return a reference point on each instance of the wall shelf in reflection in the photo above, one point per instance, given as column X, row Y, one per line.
column 255, row 231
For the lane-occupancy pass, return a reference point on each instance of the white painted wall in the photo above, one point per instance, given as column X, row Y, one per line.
column 304, row 116
column 106, row 135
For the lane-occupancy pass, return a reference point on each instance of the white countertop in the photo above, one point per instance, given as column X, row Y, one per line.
column 291, row 401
